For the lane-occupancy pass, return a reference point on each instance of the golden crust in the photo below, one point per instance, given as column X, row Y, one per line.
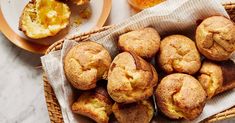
column 180, row 96
column 139, row 112
column 130, row 78
column 80, row 2
column 43, row 18
column 211, row 78
column 179, row 54
column 85, row 64
column 215, row 38
column 94, row 105
column 144, row 42
column 217, row 77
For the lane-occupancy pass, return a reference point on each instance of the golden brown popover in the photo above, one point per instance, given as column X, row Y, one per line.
column 180, row 96
column 85, row 64
column 139, row 112
column 215, row 38
column 43, row 18
column 211, row 78
column 130, row 78
column 178, row 53
column 217, row 77
column 144, row 42
column 95, row 104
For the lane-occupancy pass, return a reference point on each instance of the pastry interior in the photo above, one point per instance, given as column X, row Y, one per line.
column 96, row 105
column 43, row 18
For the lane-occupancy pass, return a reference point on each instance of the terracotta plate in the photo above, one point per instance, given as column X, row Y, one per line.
column 10, row 11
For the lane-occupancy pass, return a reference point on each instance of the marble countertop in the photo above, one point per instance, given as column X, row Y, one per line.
column 21, row 87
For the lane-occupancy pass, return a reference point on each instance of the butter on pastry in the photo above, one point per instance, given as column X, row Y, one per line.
column 180, row 96
column 80, row 2
column 43, row 18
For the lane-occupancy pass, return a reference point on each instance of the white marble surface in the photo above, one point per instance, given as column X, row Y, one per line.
column 21, row 91
column 21, row 86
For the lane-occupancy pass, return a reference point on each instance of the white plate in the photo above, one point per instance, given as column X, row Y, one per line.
column 10, row 11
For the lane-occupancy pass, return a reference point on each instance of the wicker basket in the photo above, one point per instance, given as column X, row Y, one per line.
column 54, row 107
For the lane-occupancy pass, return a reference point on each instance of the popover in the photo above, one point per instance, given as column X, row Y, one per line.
column 211, row 78
column 178, row 53
column 215, row 38
column 43, row 18
column 180, row 96
column 130, row 78
column 95, row 104
column 217, row 77
column 139, row 112
column 85, row 64
column 144, row 42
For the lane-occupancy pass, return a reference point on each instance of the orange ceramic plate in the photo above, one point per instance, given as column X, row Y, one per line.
column 9, row 15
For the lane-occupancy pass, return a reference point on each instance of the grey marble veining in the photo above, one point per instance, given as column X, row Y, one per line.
column 21, row 86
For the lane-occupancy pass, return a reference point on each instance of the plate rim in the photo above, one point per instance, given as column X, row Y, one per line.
column 38, row 48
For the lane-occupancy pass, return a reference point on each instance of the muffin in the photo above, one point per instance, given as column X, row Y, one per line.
column 44, row 18
column 95, row 104
column 130, row 78
column 215, row 38
column 143, row 42
column 85, row 64
column 217, row 77
column 179, row 54
column 139, row 112
column 180, row 96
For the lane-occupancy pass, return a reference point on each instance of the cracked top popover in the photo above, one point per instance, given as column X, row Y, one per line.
column 180, row 96
column 130, row 78
column 215, row 38
column 144, row 42
column 178, row 53
column 85, row 64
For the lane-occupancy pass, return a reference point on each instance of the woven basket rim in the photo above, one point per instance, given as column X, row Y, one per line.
column 53, row 105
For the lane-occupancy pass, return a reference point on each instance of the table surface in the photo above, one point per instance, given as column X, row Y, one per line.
column 21, row 87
